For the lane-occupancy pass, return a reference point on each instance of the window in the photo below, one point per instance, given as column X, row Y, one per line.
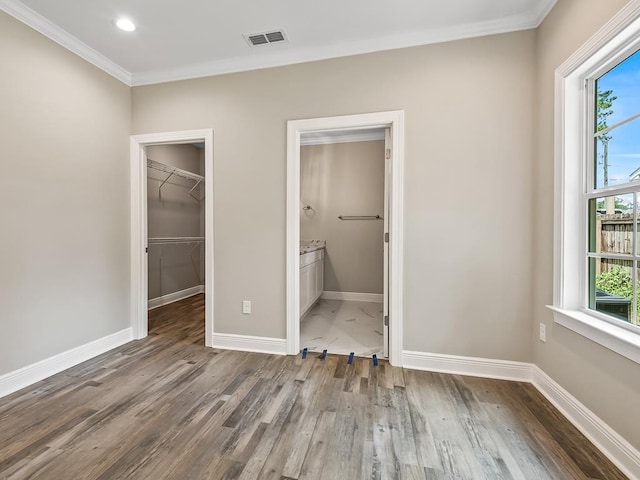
column 597, row 187
column 612, row 194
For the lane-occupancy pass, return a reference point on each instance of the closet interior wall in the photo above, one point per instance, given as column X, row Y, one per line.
column 173, row 212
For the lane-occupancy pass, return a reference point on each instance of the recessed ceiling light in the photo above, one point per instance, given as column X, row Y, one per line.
column 125, row 24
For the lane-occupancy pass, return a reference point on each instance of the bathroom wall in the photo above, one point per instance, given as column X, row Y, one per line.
column 345, row 179
column 172, row 212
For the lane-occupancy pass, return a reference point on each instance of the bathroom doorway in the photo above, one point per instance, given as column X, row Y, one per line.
column 342, row 187
column 377, row 306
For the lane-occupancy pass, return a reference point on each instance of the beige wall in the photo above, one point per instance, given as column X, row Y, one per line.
column 478, row 230
column 605, row 382
column 64, row 199
column 172, row 212
column 467, row 191
column 345, row 179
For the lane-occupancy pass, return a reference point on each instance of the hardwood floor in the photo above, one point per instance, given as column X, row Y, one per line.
column 166, row 407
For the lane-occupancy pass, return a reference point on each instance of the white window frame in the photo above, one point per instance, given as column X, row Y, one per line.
column 610, row 45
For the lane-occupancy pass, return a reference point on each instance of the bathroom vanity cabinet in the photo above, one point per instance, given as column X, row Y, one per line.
column 311, row 279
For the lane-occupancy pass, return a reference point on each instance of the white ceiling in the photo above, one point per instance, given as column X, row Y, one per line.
column 192, row 38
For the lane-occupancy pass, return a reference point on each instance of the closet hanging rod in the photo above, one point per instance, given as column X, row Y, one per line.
column 167, row 240
column 359, row 217
column 174, row 171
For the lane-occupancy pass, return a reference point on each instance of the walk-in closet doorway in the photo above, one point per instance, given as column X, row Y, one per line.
column 171, row 223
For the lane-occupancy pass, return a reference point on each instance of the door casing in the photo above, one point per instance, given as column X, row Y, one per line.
column 394, row 120
column 139, row 272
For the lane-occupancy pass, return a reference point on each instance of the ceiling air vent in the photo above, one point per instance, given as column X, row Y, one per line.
column 257, row 39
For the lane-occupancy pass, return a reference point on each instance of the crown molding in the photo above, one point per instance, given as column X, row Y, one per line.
column 618, row 29
column 50, row 30
column 544, row 8
column 282, row 58
column 275, row 59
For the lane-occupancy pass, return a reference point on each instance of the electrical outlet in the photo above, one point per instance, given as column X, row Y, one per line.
column 543, row 332
column 246, row 307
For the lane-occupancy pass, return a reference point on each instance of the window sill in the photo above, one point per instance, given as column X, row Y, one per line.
column 620, row 340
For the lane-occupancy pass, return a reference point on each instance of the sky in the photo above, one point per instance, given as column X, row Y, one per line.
column 624, row 146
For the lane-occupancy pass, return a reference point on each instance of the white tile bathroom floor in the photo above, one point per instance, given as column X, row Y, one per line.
column 342, row 326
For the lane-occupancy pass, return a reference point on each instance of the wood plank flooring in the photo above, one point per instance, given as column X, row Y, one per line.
column 166, row 407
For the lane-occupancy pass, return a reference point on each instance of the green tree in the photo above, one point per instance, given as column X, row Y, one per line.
column 618, row 281
column 604, row 109
column 619, row 204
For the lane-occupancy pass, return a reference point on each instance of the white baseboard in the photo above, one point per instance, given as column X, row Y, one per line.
column 247, row 343
column 174, row 297
column 608, row 441
column 353, row 296
column 14, row 381
column 472, row 366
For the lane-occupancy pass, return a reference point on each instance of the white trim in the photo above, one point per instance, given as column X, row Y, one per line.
column 612, row 41
column 343, row 138
column 606, row 439
column 624, row 455
column 14, row 381
column 618, row 339
column 544, row 8
column 39, row 23
column 295, row 128
column 608, row 33
column 471, row 366
column 174, row 297
column 353, row 296
column 323, row 52
column 248, row 343
column 138, row 223
column 610, row 128
column 50, row 30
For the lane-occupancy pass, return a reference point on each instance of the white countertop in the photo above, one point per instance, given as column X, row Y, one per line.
column 307, row 246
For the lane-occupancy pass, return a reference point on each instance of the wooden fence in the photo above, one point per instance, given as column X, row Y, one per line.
column 614, row 234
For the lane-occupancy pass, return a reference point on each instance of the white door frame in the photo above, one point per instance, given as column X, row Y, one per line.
column 388, row 147
column 139, row 273
column 295, row 128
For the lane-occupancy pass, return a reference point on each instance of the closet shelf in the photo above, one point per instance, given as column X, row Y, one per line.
column 161, row 167
column 167, row 240
column 174, row 171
